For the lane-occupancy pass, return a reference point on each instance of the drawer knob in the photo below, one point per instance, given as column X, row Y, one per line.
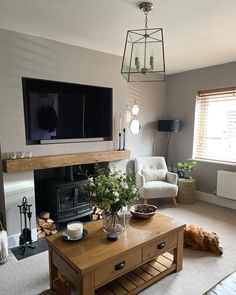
column 161, row 245
column 120, row 265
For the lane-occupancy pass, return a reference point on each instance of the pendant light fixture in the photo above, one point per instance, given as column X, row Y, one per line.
column 143, row 59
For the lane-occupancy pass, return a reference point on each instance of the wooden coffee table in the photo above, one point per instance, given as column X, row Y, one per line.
column 148, row 250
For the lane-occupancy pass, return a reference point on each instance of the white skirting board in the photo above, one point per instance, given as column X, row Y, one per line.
column 210, row 198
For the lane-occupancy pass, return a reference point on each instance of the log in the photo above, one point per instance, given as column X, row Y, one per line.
column 47, row 231
column 41, row 221
column 46, row 225
column 49, row 220
column 52, row 227
column 42, row 235
column 44, row 215
column 53, row 232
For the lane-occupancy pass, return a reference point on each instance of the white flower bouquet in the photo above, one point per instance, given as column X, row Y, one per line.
column 112, row 190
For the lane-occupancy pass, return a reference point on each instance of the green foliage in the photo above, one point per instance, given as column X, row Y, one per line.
column 113, row 190
column 188, row 166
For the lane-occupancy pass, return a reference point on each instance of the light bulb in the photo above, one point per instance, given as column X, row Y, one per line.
column 135, row 109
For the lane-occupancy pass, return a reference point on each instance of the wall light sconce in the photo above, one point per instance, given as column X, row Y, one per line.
column 135, row 108
column 135, row 125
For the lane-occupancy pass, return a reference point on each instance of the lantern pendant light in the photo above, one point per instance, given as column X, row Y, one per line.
column 143, row 59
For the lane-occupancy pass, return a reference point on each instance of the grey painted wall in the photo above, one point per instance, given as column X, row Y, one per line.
column 27, row 56
column 2, row 199
column 24, row 55
column 181, row 94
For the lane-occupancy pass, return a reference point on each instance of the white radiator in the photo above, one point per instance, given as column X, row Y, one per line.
column 226, row 184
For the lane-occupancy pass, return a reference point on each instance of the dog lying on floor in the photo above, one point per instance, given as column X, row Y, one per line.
column 198, row 238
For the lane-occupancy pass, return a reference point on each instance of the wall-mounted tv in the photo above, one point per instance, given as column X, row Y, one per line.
column 57, row 112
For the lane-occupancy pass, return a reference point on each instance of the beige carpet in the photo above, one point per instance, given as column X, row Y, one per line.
column 200, row 272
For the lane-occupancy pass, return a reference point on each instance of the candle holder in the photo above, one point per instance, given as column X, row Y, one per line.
column 124, row 138
column 119, row 142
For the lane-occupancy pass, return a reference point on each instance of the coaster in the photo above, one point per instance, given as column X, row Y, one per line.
column 65, row 237
column 112, row 236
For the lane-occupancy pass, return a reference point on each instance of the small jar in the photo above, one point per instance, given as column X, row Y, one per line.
column 21, row 155
column 28, row 154
column 12, row 155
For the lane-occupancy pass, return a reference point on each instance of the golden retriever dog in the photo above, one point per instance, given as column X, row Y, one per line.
column 198, row 238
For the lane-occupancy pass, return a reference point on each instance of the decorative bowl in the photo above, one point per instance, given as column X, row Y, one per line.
column 143, row 210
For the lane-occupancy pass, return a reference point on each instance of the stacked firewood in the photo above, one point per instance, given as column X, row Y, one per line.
column 45, row 225
column 97, row 213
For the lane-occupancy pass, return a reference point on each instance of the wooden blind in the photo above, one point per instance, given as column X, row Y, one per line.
column 215, row 125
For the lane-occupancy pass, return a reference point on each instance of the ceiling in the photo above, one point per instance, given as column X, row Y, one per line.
column 196, row 33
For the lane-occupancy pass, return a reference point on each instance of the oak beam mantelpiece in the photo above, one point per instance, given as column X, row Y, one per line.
column 44, row 162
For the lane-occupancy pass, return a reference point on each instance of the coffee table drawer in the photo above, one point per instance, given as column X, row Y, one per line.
column 158, row 246
column 115, row 267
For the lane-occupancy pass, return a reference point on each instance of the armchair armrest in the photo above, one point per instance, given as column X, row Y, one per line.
column 172, row 177
column 140, row 180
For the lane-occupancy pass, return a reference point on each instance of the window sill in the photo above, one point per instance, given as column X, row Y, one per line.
column 213, row 161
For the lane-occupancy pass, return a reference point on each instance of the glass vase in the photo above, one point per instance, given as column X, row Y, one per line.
column 114, row 222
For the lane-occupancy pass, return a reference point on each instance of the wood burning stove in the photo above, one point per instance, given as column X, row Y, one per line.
column 60, row 191
column 66, row 200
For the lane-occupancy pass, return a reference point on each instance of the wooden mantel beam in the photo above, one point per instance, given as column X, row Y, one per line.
column 44, row 162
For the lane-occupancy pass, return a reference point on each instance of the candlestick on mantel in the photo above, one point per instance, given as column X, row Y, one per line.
column 124, row 139
column 119, row 142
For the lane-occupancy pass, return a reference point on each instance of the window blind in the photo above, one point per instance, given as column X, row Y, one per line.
column 215, row 125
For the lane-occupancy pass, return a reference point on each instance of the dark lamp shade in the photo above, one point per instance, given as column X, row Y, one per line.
column 169, row 125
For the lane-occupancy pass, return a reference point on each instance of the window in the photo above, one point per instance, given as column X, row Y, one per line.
column 215, row 125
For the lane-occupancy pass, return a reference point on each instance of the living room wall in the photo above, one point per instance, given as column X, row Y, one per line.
column 24, row 55
column 182, row 89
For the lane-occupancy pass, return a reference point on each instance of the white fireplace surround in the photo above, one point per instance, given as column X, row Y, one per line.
column 16, row 186
column 21, row 184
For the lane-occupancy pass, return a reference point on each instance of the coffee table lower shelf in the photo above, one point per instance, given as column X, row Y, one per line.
column 135, row 280
column 140, row 278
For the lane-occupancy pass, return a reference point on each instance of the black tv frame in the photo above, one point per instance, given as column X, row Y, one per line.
column 67, row 140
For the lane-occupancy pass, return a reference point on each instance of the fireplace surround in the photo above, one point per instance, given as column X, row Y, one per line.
column 18, row 180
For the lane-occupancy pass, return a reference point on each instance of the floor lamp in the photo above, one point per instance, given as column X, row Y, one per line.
column 169, row 126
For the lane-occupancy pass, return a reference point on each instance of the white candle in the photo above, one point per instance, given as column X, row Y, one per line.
column 75, row 230
column 120, row 128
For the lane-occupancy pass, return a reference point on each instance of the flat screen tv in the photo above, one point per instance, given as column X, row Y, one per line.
column 58, row 112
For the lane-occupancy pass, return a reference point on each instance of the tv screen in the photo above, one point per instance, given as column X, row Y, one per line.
column 66, row 112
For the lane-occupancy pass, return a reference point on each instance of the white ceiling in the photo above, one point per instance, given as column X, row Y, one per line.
column 197, row 33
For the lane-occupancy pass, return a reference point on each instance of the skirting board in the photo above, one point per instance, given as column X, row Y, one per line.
column 13, row 240
column 210, row 198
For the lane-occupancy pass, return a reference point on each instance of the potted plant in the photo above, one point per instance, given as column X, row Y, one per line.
column 185, row 168
column 111, row 191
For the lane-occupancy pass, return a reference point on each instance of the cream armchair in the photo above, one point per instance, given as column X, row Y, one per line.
column 154, row 180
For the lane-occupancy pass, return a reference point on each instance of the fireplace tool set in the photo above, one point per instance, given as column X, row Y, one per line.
column 25, row 239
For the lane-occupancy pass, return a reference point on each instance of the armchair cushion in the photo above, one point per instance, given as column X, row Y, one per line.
column 154, row 174
column 172, row 177
column 158, row 189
